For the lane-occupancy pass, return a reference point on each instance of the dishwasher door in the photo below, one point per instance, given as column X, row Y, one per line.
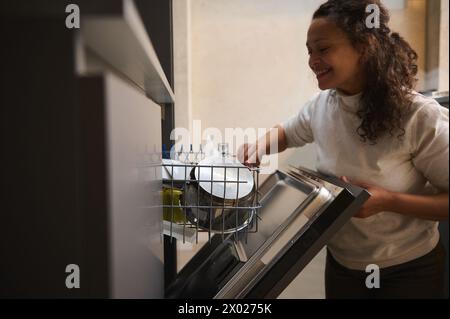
column 301, row 211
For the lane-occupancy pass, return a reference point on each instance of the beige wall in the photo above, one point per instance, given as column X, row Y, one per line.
column 410, row 22
column 249, row 61
column 443, row 56
column 182, row 62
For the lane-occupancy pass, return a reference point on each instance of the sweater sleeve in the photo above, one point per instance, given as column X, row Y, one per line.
column 430, row 143
column 298, row 127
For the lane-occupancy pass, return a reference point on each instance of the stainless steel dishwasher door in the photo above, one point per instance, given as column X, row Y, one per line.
column 289, row 206
column 300, row 212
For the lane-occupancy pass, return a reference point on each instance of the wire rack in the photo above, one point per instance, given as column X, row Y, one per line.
column 189, row 209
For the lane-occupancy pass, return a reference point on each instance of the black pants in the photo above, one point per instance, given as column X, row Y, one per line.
column 420, row 278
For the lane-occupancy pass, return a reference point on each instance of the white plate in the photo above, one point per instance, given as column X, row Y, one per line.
column 179, row 172
column 217, row 176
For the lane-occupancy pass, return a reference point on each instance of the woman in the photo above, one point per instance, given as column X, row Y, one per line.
column 372, row 129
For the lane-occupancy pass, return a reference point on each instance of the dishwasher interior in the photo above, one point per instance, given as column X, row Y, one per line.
column 256, row 247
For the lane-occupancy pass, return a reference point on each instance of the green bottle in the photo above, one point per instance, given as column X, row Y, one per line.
column 172, row 197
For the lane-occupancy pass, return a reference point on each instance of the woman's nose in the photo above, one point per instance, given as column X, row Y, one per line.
column 314, row 62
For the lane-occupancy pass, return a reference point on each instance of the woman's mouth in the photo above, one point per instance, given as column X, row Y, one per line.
column 322, row 72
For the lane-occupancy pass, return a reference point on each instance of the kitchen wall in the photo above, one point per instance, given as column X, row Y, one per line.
column 243, row 63
column 409, row 19
column 182, row 62
column 443, row 52
column 249, row 63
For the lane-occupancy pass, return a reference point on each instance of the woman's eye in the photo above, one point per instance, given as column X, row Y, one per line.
column 323, row 50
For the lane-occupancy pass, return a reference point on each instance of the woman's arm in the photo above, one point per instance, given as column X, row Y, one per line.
column 273, row 142
column 430, row 207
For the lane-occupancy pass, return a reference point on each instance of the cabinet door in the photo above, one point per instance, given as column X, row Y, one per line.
column 133, row 130
column 122, row 139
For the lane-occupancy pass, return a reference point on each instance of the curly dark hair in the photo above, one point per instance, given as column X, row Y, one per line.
column 389, row 62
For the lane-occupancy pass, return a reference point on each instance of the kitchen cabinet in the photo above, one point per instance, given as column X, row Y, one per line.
column 122, row 41
column 131, row 223
column 81, row 140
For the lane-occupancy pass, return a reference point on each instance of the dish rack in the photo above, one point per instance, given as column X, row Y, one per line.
column 177, row 210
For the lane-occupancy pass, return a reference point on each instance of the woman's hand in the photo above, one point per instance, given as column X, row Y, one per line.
column 378, row 201
column 273, row 142
column 428, row 207
column 248, row 155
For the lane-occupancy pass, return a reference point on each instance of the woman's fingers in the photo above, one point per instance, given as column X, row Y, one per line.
column 253, row 154
column 242, row 153
column 345, row 179
column 247, row 154
column 361, row 184
column 355, row 182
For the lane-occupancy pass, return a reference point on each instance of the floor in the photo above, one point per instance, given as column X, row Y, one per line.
column 310, row 283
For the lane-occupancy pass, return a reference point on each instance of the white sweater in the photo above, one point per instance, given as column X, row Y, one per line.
column 387, row 238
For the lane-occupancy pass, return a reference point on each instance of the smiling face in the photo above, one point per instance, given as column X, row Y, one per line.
column 333, row 58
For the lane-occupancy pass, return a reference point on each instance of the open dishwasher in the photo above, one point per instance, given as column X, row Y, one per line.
column 292, row 216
